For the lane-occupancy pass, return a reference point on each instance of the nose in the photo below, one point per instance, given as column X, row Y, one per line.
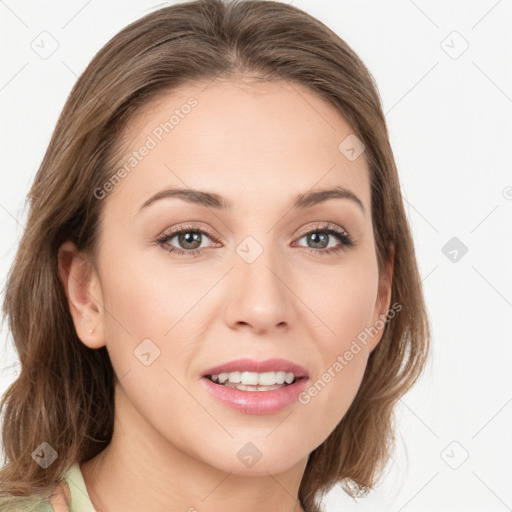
column 260, row 295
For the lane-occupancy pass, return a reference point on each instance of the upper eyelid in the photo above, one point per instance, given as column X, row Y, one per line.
column 324, row 226
column 171, row 233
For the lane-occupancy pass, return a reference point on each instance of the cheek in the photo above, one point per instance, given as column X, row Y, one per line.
column 345, row 306
column 334, row 386
column 342, row 300
column 140, row 307
column 144, row 325
column 332, row 391
column 147, row 300
column 153, row 312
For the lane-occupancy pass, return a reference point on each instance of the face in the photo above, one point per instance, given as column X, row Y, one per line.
column 265, row 268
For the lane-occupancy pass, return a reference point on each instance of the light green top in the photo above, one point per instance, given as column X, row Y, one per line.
column 80, row 500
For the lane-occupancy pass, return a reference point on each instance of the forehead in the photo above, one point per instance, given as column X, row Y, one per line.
column 240, row 136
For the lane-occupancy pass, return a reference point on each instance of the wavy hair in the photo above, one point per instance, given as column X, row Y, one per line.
column 64, row 393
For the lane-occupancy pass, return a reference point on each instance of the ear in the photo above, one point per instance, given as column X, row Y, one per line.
column 383, row 300
column 82, row 286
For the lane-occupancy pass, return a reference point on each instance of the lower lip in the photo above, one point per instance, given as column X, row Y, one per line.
column 256, row 402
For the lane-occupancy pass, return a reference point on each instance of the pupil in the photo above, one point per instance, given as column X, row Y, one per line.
column 314, row 237
column 190, row 237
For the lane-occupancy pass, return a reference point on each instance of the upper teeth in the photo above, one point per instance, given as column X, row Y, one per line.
column 253, row 378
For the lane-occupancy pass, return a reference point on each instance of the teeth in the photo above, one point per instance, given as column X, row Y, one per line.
column 242, row 387
column 280, row 376
column 254, row 379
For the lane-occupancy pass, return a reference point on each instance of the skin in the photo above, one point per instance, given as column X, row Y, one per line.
column 259, row 145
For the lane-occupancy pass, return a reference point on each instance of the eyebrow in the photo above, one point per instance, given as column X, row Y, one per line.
column 213, row 200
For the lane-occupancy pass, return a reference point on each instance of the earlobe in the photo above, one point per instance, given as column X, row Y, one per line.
column 81, row 286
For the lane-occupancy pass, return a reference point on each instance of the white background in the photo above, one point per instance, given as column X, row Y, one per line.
column 450, row 119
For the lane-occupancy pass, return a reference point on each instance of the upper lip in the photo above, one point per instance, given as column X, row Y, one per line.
column 251, row 365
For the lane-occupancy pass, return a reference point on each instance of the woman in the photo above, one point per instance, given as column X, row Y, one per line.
column 216, row 302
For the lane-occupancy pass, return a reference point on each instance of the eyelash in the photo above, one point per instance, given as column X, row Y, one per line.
column 340, row 234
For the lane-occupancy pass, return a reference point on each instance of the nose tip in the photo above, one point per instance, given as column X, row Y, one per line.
column 259, row 297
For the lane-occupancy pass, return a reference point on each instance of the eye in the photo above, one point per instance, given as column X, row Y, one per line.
column 192, row 241
column 324, row 239
column 188, row 238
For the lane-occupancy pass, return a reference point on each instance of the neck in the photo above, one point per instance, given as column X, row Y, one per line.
column 140, row 470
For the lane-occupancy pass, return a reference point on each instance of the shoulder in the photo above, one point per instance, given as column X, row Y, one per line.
column 25, row 505
column 70, row 495
column 61, row 498
column 57, row 502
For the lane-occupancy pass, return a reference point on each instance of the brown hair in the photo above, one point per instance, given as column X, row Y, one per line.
column 64, row 392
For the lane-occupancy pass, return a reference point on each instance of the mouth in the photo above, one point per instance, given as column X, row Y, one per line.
column 249, row 396
column 253, row 375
